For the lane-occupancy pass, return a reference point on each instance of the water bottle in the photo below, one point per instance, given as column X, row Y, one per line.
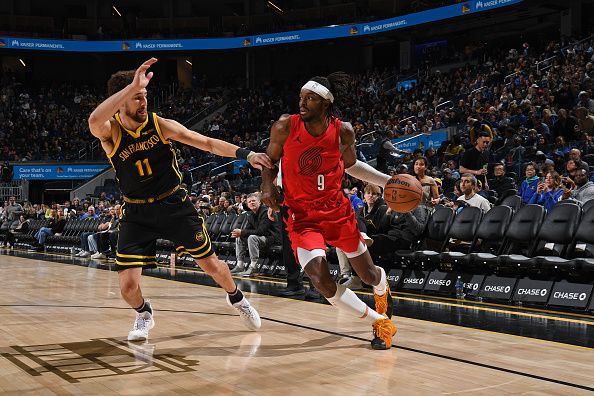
column 459, row 288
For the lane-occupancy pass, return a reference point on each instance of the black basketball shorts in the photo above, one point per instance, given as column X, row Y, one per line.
column 173, row 218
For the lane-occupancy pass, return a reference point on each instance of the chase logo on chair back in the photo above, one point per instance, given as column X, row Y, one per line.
column 393, row 277
column 498, row 287
column 414, row 279
column 443, row 282
column 529, row 290
column 570, row 294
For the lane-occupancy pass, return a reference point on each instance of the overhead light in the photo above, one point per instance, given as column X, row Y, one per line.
column 188, row 62
column 277, row 8
column 22, row 62
column 116, row 10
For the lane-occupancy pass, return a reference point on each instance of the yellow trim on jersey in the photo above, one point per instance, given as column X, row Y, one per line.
column 135, row 263
column 116, row 145
column 158, row 128
column 174, row 163
column 134, row 256
column 134, row 134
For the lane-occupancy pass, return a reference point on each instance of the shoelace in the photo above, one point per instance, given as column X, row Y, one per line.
column 140, row 323
column 245, row 309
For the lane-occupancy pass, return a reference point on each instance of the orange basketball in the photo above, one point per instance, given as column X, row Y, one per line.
column 403, row 193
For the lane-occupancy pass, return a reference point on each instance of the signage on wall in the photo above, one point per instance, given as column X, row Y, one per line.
column 295, row 36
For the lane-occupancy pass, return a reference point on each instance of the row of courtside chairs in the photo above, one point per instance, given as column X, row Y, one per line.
column 526, row 242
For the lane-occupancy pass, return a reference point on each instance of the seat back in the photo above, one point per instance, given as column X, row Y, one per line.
column 558, row 229
column 513, row 201
column 209, row 220
column 588, row 205
column 466, row 223
column 226, row 227
column 215, row 227
column 491, row 231
column 438, row 227
column 523, row 229
column 583, row 245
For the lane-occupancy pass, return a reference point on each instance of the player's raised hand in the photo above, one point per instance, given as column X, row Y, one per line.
column 259, row 160
column 141, row 78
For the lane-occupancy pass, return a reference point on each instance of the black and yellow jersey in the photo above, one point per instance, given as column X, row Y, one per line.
column 145, row 163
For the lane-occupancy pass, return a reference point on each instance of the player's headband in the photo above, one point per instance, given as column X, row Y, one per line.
column 319, row 89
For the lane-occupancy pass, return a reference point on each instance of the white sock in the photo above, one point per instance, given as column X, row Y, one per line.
column 254, row 263
column 240, row 264
column 346, row 300
column 381, row 288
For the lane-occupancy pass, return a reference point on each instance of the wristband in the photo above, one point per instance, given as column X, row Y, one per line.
column 242, row 153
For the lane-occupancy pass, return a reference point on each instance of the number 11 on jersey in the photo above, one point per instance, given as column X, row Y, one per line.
column 140, row 169
column 321, row 182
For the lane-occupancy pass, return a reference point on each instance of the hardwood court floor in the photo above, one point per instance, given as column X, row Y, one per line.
column 63, row 331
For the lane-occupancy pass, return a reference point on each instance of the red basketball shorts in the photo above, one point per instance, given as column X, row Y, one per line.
column 316, row 226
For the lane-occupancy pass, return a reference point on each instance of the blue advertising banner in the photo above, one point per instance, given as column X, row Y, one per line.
column 422, row 141
column 329, row 32
column 57, row 172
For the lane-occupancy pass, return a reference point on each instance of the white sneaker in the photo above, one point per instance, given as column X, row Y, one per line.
column 248, row 314
column 143, row 323
column 84, row 254
column 97, row 255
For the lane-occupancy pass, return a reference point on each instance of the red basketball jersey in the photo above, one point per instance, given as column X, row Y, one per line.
column 312, row 167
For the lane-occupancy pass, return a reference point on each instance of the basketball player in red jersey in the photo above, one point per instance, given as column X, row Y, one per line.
column 316, row 149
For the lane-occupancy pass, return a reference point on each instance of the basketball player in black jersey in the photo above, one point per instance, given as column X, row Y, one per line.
column 138, row 145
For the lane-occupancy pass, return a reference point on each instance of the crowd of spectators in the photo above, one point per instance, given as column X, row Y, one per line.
column 521, row 124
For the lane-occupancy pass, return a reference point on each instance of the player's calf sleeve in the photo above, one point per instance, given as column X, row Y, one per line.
column 381, row 288
column 346, row 300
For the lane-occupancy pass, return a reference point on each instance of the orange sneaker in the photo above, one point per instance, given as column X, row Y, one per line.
column 384, row 305
column 383, row 331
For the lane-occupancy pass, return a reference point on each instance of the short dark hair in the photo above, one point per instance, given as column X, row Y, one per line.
column 484, row 134
column 119, row 80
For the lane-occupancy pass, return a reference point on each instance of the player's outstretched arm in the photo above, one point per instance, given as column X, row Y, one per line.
column 175, row 131
column 278, row 135
column 353, row 166
column 99, row 120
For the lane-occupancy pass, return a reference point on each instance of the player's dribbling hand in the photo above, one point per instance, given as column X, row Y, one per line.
column 259, row 160
column 271, row 198
column 141, row 79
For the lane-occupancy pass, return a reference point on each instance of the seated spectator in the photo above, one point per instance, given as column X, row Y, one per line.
column 549, row 192
column 55, row 226
column 10, row 214
column 89, row 214
column 351, row 194
column 99, row 242
column 430, row 192
column 571, row 167
column 501, row 183
column 469, row 196
column 580, row 189
column 259, row 233
column 576, row 155
column 22, row 227
column 585, row 120
column 530, row 184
